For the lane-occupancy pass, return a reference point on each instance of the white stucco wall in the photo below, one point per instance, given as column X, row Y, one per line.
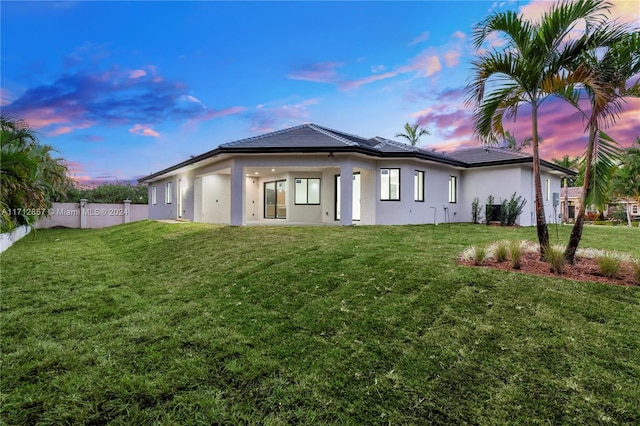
column 162, row 210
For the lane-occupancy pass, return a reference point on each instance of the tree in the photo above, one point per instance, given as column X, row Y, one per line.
column 413, row 133
column 531, row 67
column 626, row 179
column 111, row 193
column 29, row 175
column 612, row 63
column 511, row 142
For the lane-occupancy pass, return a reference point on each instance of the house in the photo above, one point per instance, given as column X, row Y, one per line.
column 571, row 196
column 297, row 176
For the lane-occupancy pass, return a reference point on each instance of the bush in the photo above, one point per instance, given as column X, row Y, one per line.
column 594, row 216
column 504, row 213
column 609, row 265
column 635, row 265
column 501, row 251
column 554, row 256
column 515, row 250
column 476, row 210
column 480, row 255
column 514, row 208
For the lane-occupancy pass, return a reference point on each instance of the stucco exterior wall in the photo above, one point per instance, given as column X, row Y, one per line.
column 162, row 210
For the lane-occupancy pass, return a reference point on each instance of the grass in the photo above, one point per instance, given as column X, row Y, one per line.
column 554, row 256
column 609, row 265
column 151, row 323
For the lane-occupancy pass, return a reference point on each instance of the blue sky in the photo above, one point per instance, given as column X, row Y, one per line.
column 123, row 89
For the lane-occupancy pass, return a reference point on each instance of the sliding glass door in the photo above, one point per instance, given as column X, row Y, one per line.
column 275, row 199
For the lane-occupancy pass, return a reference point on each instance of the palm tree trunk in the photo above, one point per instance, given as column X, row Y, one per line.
column 576, row 232
column 565, row 210
column 541, row 225
column 628, row 213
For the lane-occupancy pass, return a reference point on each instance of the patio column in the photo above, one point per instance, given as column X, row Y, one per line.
column 346, row 193
column 237, row 194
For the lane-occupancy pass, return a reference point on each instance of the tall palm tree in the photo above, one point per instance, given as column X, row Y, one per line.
column 612, row 65
column 530, row 68
column 412, row 133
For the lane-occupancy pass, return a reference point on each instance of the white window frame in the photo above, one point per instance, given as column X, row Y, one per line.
column 306, row 183
column 386, row 195
column 418, row 186
column 154, row 194
column 548, row 190
column 168, row 195
column 453, row 189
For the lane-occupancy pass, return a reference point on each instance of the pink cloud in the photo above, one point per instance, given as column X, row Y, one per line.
column 459, row 35
column 139, row 129
column 137, row 73
column 322, row 72
column 5, row 97
column 354, row 84
column 419, row 39
column 267, row 118
column 561, row 129
column 60, row 131
column 452, row 58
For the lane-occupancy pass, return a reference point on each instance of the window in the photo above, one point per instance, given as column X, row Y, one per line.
column 275, row 199
column 548, row 190
column 307, row 191
column 154, row 195
column 634, row 209
column 418, row 185
column 390, row 184
column 453, row 189
column 168, row 195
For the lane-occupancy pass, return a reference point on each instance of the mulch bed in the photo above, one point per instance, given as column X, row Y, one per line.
column 583, row 270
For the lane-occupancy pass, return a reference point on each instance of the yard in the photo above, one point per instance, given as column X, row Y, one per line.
column 192, row 323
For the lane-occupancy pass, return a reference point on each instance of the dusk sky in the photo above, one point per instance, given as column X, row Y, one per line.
column 124, row 89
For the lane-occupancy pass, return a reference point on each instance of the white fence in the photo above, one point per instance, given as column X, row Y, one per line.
column 92, row 215
column 8, row 238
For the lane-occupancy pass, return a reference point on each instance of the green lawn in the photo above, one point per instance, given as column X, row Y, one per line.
column 152, row 323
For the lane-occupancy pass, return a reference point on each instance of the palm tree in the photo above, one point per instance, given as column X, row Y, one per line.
column 412, row 133
column 530, row 68
column 29, row 175
column 612, row 66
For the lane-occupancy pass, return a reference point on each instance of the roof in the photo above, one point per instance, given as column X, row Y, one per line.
column 311, row 138
column 572, row 192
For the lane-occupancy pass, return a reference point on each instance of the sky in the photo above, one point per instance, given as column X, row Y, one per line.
column 125, row 89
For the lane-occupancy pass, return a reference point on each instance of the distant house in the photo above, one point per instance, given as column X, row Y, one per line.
column 298, row 176
column 571, row 197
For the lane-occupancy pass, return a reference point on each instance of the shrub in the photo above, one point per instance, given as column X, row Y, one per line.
column 609, row 265
column 554, row 256
column 515, row 250
column 504, row 213
column 591, row 217
column 635, row 265
column 501, row 251
column 514, row 208
column 480, row 255
column 476, row 210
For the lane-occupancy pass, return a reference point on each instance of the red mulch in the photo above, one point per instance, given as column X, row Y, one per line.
column 583, row 270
